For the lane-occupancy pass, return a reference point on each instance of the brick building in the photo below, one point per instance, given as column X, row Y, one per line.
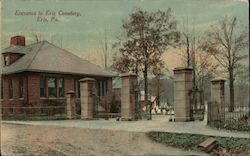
column 40, row 74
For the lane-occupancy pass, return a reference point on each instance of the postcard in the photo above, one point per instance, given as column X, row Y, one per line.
column 124, row 77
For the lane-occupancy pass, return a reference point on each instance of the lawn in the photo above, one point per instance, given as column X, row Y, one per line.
column 191, row 141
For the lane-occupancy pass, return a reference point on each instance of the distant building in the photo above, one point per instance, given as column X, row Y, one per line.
column 41, row 74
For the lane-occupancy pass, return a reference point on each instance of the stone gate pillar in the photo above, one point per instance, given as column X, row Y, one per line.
column 217, row 107
column 183, row 86
column 129, row 82
column 87, row 92
column 71, row 105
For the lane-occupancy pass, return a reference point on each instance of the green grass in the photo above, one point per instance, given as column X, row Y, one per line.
column 191, row 141
column 233, row 125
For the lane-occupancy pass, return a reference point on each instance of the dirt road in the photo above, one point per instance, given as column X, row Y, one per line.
column 60, row 141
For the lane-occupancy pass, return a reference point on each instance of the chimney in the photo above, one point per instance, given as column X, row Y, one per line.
column 17, row 40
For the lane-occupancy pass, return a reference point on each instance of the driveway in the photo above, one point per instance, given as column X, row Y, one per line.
column 157, row 124
column 68, row 139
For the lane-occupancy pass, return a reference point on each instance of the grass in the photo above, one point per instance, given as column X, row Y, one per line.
column 232, row 125
column 191, row 141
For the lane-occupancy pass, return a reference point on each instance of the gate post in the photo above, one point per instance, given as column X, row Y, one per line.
column 87, row 92
column 183, row 86
column 71, row 105
column 129, row 82
column 217, row 107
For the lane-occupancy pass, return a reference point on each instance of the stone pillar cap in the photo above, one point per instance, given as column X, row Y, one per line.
column 183, row 68
column 87, row 79
column 218, row 79
column 128, row 74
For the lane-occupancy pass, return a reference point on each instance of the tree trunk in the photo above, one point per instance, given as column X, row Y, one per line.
column 146, row 88
column 158, row 90
column 249, row 69
column 201, row 89
column 194, row 92
column 187, row 51
column 139, row 110
column 231, row 88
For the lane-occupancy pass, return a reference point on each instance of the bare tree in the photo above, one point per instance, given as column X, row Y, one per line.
column 104, row 47
column 193, row 56
column 205, row 68
column 188, row 43
column 226, row 42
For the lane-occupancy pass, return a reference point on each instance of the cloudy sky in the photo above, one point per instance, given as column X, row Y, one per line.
column 82, row 35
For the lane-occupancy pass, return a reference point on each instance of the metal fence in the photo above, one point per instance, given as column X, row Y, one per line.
column 240, row 113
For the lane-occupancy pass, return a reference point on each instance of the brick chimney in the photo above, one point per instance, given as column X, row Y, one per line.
column 17, row 40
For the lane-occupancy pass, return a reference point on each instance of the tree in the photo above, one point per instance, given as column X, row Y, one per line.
column 188, row 42
column 205, row 67
column 104, row 48
column 148, row 35
column 225, row 42
column 248, row 66
column 158, row 71
column 202, row 63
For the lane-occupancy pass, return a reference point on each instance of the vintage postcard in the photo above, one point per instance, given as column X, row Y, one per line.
column 124, row 77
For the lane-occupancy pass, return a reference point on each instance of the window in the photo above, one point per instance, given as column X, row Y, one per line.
column 75, row 85
column 20, row 87
column 103, row 88
column 78, row 88
column 11, row 110
column 61, row 87
column 42, row 87
column 55, row 87
column 52, row 87
column 99, row 88
column 1, row 88
column 6, row 60
column 11, row 90
column 106, row 86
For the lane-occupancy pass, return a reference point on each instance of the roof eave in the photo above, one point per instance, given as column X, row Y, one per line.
column 58, row 72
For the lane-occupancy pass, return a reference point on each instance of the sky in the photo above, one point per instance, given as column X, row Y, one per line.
column 83, row 35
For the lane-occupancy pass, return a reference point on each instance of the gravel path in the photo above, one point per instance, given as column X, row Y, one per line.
column 66, row 141
column 197, row 127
